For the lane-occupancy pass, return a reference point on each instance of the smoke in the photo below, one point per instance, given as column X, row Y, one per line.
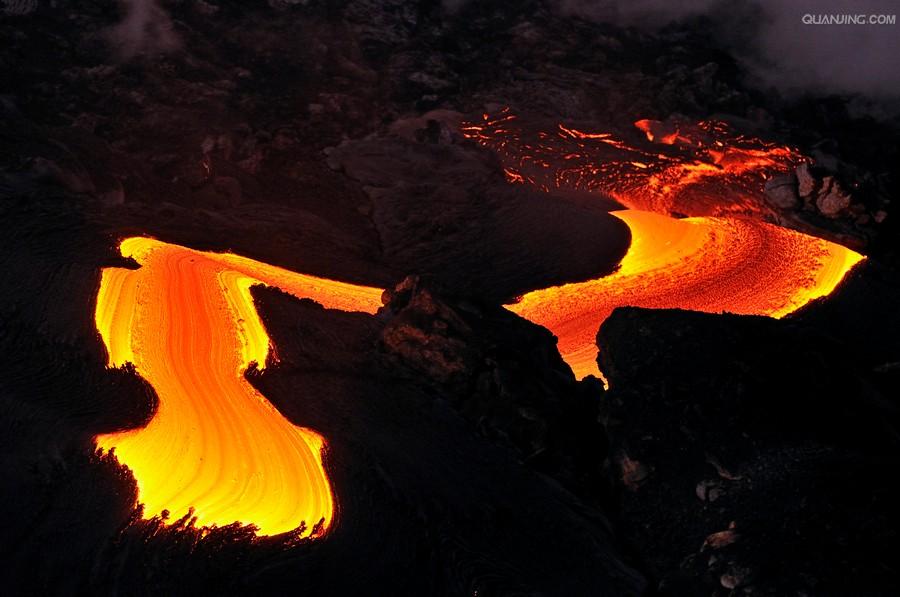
column 144, row 29
column 772, row 40
column 838, row 58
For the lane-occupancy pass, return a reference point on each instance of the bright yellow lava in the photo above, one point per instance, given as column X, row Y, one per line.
column 702, row 264
column 187, row 322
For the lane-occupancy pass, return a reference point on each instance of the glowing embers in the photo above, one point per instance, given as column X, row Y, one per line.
column 701, row 168
column 701, row 264
column 187, row 322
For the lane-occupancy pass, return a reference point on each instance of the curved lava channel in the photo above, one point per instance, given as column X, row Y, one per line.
column 187, row 322
column 702, row 264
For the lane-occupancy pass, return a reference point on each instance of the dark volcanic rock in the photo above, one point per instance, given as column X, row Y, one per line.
column 782, row 192
column 862, row 315
column 505, row 376
column 832, row 201
column 444, row 209
column 428, row 506
column 740, row 442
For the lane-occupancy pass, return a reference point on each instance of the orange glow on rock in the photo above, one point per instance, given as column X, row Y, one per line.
column 706, row 264
column 187, row 322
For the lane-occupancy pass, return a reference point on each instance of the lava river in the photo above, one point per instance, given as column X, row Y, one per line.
column 726, row 258
column 707, row 264
column 186, row 320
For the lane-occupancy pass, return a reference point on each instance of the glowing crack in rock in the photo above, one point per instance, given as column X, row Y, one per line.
column 689, row 168
column 186, row 320
column 734, row 265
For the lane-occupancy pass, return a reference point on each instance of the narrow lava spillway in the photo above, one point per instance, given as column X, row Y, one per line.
column 709, row 264
column 186, row 320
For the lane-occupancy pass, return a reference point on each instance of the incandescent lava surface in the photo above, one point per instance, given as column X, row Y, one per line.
column 726, row 258
column 706, row 264
column 691, row 168
column 187, row 322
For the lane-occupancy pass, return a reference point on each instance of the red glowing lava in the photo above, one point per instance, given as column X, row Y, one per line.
column 187, row 322
column 714, row 264
column 701, row 264
column 694, row 169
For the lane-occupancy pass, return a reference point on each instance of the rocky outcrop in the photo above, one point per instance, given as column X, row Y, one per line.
column 805, row 181
column 832, row 201
column 781, row 191
column 504, row 375
column 813, row 199
column 428, row 469
column 822, row 191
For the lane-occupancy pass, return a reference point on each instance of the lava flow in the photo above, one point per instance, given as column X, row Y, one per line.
column 683, row 168
column 707, row 264
column 735, row 264
column 186, row 320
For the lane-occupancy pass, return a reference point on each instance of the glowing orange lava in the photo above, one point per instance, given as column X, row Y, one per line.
column 695, row 169
column 187, row 322
column 734, row 264
column 707, row 264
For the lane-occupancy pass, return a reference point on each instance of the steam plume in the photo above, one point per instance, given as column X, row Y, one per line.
column 770, row 37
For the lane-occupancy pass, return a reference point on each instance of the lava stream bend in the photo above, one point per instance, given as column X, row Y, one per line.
column 187, row 322
column 734, row 265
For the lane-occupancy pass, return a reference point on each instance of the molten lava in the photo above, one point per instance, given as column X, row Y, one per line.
column 697, row 169
column 702, row 264
column 187, row 322
column 735, row 264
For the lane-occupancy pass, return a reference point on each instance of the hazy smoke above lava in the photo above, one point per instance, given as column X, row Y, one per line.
column 145, row 28
column 773, row 41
